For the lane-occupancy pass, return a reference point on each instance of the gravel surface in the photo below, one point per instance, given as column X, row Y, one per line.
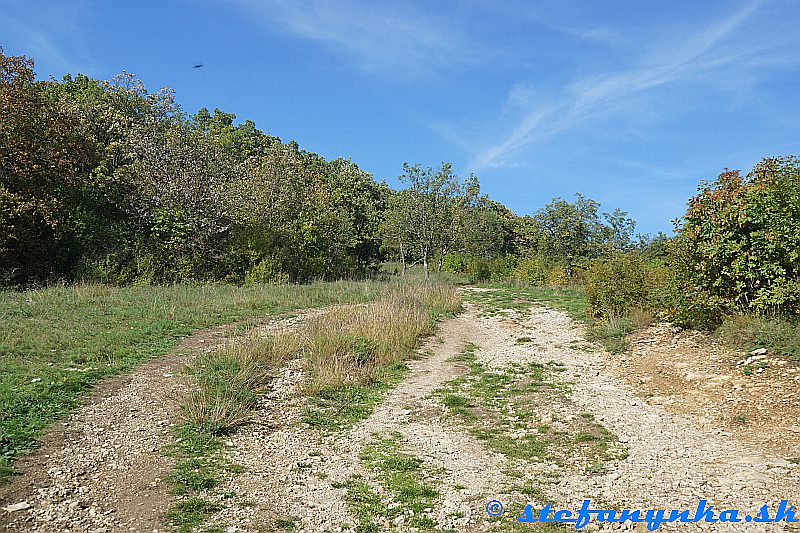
column 102, row 468
column 673, row 462
column 104, row 474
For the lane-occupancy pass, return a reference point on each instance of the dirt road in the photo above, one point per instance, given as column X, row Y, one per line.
column 501, row 405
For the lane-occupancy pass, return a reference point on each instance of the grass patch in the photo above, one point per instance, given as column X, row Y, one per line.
column 229, row 380
column 495, row 404
column 746, row 332
column 199, row 470
column 287, row 524
column 500, row 300
column 190, row 513
column 495, row 407
column 612, row 333
column 337, row 408
column 200, row 463
column 402, row 477
column 355, row 354
column 57, row 342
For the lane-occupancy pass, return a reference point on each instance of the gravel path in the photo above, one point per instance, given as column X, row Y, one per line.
column 673, row 462
column 106, row 477
column 291, row 471
column 101, row 468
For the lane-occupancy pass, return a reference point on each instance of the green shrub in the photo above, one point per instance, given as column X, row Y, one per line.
column 502, row 268
column 455, row 263
column 616, row 285
column 738, row 248
column 558, row 276
column 480, row 269
column 267, row 271
column 532, row 271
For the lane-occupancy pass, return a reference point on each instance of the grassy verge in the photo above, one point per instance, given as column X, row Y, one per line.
column 56, row 343
column 408, row 491
column 352, row 355
column 747, row 332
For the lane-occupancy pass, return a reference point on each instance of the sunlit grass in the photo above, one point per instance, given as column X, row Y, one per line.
column 57, row 342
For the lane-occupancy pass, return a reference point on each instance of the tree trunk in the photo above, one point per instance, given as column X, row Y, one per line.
column 403, row 258
column 425, row 262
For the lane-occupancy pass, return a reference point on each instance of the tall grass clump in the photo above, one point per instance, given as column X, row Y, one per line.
column 228, row 380
column 747, row 331
column 355, row 354
column 349, row 345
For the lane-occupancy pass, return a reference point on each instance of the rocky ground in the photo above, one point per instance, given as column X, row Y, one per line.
column 103, row 468
column 755, row 397
column 633, row 434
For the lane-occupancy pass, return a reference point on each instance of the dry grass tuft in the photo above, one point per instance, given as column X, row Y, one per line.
column 642, row 318
column 229, row 379
column 347, row 345
column 745, row 332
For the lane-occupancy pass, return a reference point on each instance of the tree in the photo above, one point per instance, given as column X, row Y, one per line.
column 431, row 215
column 738, row 245
column 42, row 155
column 489, row 229
column 570, row 230
column 396, row 226
column 619, row 230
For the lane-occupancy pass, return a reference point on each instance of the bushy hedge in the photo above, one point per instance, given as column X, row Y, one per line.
column 620, row 283
column 738, row 248
column 479, row 269
column 538, row 270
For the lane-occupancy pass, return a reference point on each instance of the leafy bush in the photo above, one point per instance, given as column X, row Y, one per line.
column 268, row 271
column 616, row 285
column 479, row 269
column 559, row 276
column 738, row 248
column 541, row 271
column 503, row 267
column 532, row 271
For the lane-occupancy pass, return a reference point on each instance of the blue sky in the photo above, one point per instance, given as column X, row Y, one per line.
column 631, row 103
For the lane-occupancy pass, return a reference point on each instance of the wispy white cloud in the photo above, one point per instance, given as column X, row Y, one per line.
column 543, row 114
column 373, row 36
column 50, row 32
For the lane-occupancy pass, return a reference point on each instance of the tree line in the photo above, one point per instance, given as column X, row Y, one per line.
column 103, row 180
column 106, row 181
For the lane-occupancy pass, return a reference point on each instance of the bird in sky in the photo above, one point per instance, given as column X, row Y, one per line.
column 198, row 65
